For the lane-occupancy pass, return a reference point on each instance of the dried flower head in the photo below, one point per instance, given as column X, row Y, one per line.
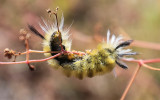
column 9, row 53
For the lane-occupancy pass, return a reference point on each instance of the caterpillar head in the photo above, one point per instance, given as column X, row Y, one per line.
column 116, row 47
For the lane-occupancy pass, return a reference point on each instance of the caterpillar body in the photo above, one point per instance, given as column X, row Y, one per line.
column 98, row 61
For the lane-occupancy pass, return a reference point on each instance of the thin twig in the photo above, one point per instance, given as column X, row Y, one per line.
column 31, row 67
column 144, row 62
column 138, row 43
column 41, row 60
column 75, row 52
column 152, row 61
column 130, row 82
column 31, row 61
column 150, row 67
column 157, row 60
column 37, row 51
column 27, row 50
column 145, row 44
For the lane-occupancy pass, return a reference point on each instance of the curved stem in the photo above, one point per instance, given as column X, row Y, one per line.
column 149, row 67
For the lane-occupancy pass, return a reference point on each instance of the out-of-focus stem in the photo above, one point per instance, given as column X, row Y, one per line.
column 130, row 83
column 152, row 61
column 151, row 68
column 145, row 44
column 145, row 61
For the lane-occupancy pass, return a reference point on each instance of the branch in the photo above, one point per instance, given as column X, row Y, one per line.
column 130, row 83
column 31, row 61
column 141, row 63
column 150, row 67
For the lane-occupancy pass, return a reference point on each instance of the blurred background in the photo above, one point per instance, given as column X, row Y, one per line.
column 138, row 19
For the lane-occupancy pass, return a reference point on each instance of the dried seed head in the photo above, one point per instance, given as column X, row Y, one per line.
column 28, row 36
column 23, row 31
column 49, row 10
column 24, row 34
column 6, row 50
column 9, row 53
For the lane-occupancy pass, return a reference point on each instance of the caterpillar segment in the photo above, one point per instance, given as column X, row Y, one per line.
column 91, row 64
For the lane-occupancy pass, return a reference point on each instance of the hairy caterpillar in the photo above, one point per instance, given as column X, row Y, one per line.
column 98, row 61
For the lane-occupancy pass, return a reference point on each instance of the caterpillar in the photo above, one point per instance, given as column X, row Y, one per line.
column 95, row 62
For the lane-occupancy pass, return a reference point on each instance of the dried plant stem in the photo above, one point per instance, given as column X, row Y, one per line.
column 41, row 60
column 32, row 61
column 145, row 61
column 31, row 67
column 141, row 63
column 27, row 51
column 145, row 44
column 37, row 51
column 130, row 83
column 152, row 61
column 75, row 52
column 138, row 43
column 149, row 67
